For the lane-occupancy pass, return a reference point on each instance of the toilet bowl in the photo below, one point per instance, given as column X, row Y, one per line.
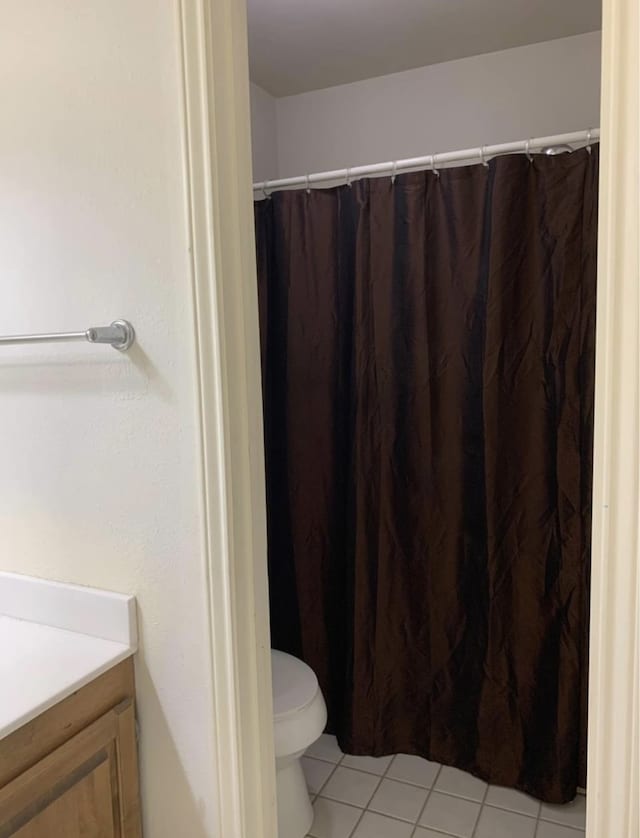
column 299, row 717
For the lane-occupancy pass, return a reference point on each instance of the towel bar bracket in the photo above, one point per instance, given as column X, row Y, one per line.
column 120, row 334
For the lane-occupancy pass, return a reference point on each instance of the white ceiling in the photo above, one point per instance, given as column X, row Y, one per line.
column 300, row 45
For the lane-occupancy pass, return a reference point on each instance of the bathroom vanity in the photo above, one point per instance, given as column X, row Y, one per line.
column 68, row 755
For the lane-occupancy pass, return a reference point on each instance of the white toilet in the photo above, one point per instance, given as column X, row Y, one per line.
column 299, row 717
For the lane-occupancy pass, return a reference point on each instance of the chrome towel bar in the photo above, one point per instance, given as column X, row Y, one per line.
column 120, row 334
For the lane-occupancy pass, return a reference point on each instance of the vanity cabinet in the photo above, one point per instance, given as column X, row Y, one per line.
column 72, row 772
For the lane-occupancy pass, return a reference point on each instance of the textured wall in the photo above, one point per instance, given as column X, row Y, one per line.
column 264, row 135
column 545, row 88
column 99, row 481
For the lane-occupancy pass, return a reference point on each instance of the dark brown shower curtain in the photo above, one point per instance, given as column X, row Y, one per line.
column 428, row 372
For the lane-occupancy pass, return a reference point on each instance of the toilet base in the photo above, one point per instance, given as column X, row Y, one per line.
column 295, row 813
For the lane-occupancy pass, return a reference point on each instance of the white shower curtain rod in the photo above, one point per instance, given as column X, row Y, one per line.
column 431, row 161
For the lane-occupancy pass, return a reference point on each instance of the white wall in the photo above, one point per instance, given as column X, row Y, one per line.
column 264, row 135
column 542, row 89
column 99, row 481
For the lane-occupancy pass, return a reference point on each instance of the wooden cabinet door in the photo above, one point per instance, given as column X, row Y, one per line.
column 84, row 809
column 86, row 788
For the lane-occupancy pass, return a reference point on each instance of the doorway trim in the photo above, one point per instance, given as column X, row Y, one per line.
column 614, row 682
column 217, row 143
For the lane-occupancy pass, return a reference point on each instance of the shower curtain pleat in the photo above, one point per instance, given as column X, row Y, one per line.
column 428, row 370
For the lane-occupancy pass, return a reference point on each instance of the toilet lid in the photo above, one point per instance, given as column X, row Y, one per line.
column 294, row 683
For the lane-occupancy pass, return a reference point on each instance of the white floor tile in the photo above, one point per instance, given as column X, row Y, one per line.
column 374, row 765
column 377, row 826
column 515, row 801
column 349, row 786
column 359, row 800
column 459, row 783
column 497, row 823
column 325, row 748
column 571, row 814
column 400, row 800
column 554, row 830
column 450, row 814
column 316, row 773
column 412, row 769
column 333, row 820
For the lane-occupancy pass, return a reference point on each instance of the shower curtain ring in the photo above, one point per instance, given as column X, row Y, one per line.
column 393, row 171
column 482, row 160
column 433, row 165
column 349, row 177
column 308, row 184
column 589, row 141
column 265, row 190
column 527, row 151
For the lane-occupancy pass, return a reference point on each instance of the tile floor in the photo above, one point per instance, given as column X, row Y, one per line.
column 409, row 797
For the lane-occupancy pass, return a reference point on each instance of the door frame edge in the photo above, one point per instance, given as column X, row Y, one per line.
column 217, row 152
column 614, row 649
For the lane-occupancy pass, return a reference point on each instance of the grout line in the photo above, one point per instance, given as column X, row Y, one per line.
column 366, row 808
column 416, row 824
column 579, row 829
column 386, row 770
column 480, row 810
column 317, row 794
column 320, row 759
column 420, row 786
column 372, row 773
column 331, row 773
column 380, row 778
column 421, row 813
column 381, row 814
column 357, row 824
column 410, row 782
column 537, row 829
column 501, row 808
column 359, row 808
column 342, row 803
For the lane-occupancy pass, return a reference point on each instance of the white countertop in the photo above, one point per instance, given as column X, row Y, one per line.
column 39, row 666
column 55, row 639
